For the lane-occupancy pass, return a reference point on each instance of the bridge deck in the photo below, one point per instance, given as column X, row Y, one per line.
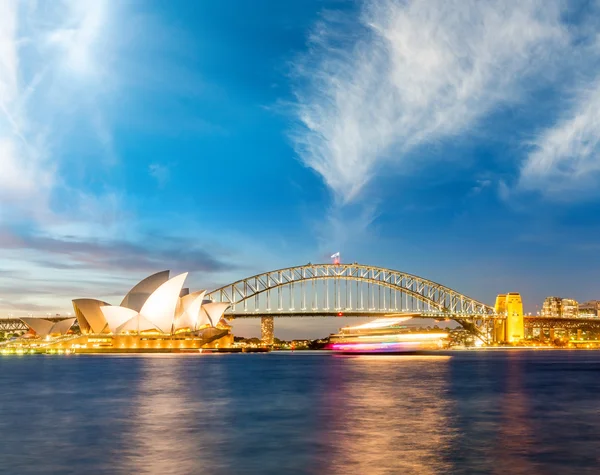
column 14, row 324
column 354, row 313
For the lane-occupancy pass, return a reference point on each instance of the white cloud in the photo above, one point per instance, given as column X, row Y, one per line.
column 50, row 55
column 23, row 173
column 8, row 52
column 481, row 185
column 82, row 31
column 160, row 173
column 565, row 160
column 419, row 71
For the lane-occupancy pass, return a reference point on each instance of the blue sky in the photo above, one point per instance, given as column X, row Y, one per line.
column 456, row 140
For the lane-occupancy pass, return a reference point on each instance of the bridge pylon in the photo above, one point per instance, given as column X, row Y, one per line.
column 267, row 330
column 512, row 328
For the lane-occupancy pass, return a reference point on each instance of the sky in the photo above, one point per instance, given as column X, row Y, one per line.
column 457, row 140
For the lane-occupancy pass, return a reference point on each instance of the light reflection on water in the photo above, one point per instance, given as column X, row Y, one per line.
column 516, row 429
column 479, row 412
column 387, row 421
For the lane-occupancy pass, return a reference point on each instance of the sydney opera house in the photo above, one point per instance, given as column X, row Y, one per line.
column 156, row 315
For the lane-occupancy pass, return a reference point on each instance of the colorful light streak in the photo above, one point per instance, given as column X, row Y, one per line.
column 374, row 347
column 404, row 336
column 379, row 323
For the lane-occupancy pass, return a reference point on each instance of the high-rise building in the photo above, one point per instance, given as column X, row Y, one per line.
column 570, row 308
column 552, row 307
column 267, row 334
column 557, row 307
column 590, row 309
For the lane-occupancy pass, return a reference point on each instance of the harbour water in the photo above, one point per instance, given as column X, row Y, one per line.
column 518, row 412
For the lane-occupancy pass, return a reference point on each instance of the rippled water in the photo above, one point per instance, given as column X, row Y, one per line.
column 467, row 412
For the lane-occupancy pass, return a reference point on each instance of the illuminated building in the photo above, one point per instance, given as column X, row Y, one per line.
column 590, row 309
column 570, row 308
column 385, row 335
column 46, row 328
column 552, row 307
column 155, row 315
column 267, row 335
column 557, row 307
column 512, row 329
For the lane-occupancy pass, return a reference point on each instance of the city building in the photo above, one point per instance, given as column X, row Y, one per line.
column 155, row 315
column 557, row 307
column 590, row 309
column 570, row 308
column 552, row 307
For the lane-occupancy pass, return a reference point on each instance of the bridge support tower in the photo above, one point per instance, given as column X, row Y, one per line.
column 515, row 326
column 512, row 329
column 500, row 325
column 267, row 330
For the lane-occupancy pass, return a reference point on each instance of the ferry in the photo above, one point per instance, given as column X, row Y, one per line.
column 385, row 336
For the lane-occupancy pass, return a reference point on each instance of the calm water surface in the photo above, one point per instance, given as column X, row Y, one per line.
column 466, row 412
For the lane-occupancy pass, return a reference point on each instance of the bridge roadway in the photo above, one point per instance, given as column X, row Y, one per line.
column 14, row 324
column 472, row 322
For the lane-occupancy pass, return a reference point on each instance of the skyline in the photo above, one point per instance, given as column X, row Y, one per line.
column 457, row 141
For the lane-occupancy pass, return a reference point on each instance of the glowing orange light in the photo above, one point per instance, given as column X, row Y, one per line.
column 340, row 314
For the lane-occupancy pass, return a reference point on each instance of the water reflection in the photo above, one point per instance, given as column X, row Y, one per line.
column 386, row 415
column 477, row 412
column 173, row 427
column 516, row 438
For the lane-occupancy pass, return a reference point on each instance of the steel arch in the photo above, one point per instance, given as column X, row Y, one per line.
column 436, row 295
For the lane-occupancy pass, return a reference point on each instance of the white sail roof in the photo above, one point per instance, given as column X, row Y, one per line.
column 203, row 320
column 215, row 311
column 161, row 305
column 140, row 292
column 91, row 319
column 62, row 327
column 39, row 325
column 43, row 327
column 117, row 316
column 190, row 315
column 136, row 324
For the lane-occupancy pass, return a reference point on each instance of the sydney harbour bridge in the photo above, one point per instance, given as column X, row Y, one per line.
column 355, row 290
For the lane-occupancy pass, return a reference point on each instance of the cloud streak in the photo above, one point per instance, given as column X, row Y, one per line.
column 69, row 253
column 50, row 54
column 418, row 72
column 25, row 174
column 160, row 173
column 565, row 158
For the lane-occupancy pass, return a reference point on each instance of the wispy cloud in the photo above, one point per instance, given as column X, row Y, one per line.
column 55, row 76
column 160, row 173
column 44, row 271
column 417, row 72
column 564, row 162
column 70, row 252
column 80, row 36
column 480, row 185
column 25, row 172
